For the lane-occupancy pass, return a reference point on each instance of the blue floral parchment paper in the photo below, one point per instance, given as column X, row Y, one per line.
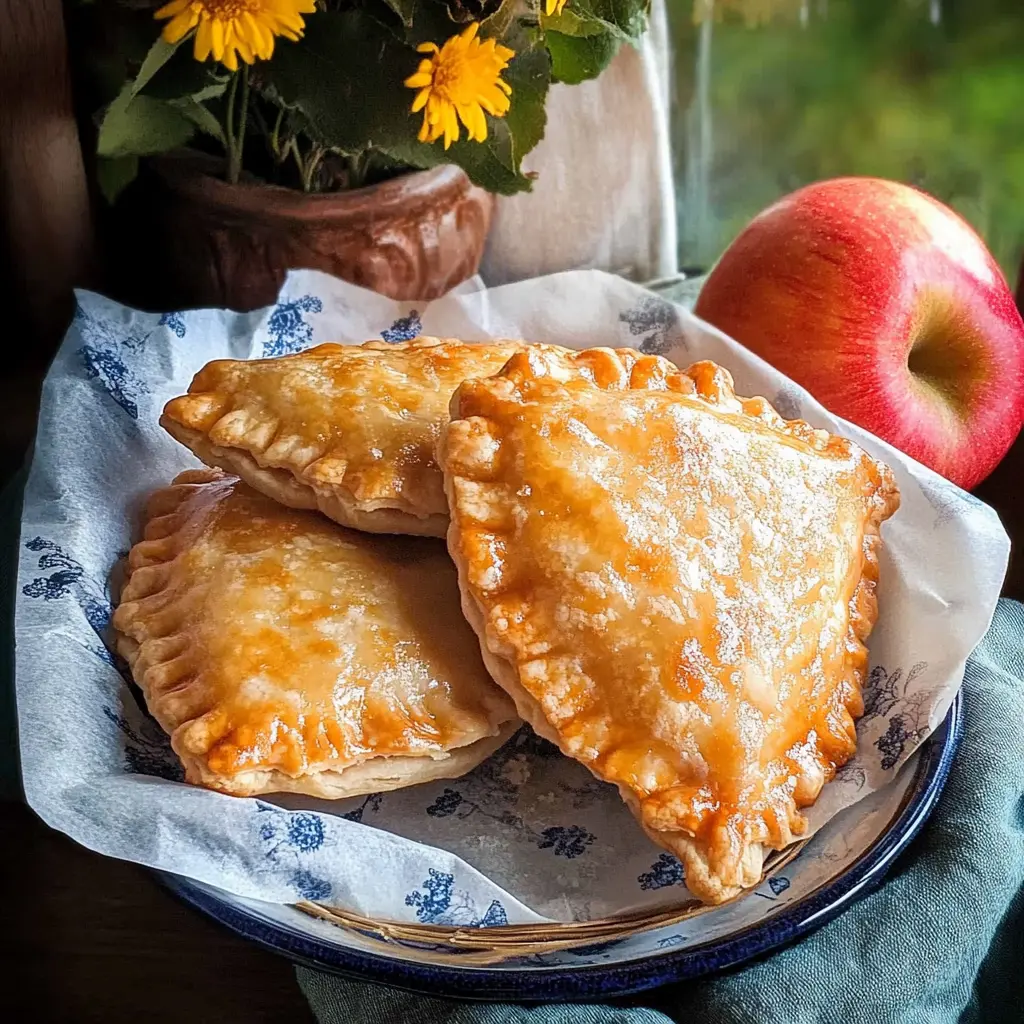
column 527, row 835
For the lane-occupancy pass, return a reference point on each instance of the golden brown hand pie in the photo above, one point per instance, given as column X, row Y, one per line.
column 674, row 584
column 347, row 429
column 284, row 653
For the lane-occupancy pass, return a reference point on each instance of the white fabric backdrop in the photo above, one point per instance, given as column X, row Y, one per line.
column 604, row 197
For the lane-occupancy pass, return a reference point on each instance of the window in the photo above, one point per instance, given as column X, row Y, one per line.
column 773, row 94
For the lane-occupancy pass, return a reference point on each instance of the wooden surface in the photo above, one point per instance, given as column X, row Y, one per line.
column 45, row 225
column 88, row 939
column 44, row 203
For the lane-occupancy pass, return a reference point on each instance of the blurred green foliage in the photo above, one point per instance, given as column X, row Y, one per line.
column 875, row 87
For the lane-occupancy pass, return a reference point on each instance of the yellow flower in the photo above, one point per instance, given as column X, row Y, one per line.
column 554, row 6
column 232, row 28
column 458, row 82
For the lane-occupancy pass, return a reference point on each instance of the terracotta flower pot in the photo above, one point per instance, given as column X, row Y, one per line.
column 413, row 237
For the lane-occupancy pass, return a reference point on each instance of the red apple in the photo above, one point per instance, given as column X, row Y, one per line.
column 889, row 309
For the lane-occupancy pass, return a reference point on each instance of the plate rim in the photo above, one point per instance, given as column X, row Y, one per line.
column 585, row 982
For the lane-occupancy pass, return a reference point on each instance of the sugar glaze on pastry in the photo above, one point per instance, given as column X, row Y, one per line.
column 346, row 429
column 282, row 652
column 675, row 586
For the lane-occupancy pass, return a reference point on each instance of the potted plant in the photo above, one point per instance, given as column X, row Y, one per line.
column 362, row 137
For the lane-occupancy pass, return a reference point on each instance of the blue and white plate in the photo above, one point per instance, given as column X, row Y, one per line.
column 846, row 860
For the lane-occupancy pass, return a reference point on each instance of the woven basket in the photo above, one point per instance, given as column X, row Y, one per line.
column 485, row 946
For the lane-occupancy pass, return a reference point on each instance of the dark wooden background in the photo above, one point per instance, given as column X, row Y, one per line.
column 85, row 938
column 89, row 939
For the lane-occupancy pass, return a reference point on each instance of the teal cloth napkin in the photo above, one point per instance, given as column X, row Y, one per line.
column 941, row 941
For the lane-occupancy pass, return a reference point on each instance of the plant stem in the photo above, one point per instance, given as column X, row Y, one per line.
column 356, row 169
column 229, row 123
column 293, row 145
column 235, row 155
column 275, row 137
column 316, row 155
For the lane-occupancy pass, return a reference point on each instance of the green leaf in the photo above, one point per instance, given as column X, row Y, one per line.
column 569, row 23
column 345, row 78
column 159, row 54
column 405, row 9
column 183, row 75
column 114, row 174
column 141, row 125
column 438, row 20
column 488, row 164
column 497, row 25
column 626, row 19
column 433, row 24
column 529, row 75
column 574, row 59
column 200, row 115
column 209, row 92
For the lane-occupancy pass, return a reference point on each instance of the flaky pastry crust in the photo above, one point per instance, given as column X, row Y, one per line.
column 281, row 652
column 349, row 430
column 674, row 584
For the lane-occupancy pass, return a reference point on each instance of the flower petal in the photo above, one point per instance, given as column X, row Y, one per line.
column 235, row 36
column 203, row 41
column 169, row 10
column 179, row 27
column 481, row 124
column 260, row 38
column 217, row 38
column 451, row 126
column 458, row 83
column 292, row 23
column 473, row 118
column 229, row 30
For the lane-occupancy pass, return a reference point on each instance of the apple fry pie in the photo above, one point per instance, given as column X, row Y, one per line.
column 675, row 586
column 281, row 652
column 349, row 430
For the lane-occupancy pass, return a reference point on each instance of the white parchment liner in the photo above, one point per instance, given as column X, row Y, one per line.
column 528, row 835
